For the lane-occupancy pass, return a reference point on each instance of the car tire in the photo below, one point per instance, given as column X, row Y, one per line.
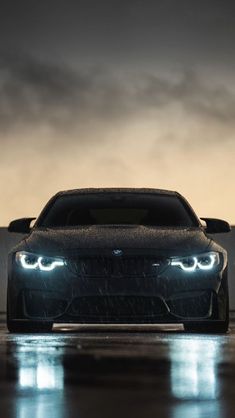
column 29, row 327
column 216, row 328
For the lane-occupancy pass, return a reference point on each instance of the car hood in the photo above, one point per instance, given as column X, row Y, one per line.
column 98, row 238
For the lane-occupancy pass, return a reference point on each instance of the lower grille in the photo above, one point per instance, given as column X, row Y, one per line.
column 117, row 266
column 42, row 305
column 193, row 306
column 117, row 306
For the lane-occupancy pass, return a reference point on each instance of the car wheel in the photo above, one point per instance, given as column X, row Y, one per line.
column 216, row 328
column 29, row 327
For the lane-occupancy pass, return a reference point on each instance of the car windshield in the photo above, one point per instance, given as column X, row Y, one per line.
column 109, row 209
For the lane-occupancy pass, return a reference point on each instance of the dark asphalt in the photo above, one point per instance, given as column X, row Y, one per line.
column 109, row 373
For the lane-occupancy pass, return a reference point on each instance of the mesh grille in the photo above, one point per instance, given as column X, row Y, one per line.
column 117, row 306
column 117, row 266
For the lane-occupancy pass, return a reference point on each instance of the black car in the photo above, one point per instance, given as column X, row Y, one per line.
column 118, row 255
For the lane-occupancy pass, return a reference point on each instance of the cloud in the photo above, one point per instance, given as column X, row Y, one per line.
column 195, row 95
column 35, row 93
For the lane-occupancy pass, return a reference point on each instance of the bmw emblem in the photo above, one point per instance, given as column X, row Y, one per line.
column 117, row 253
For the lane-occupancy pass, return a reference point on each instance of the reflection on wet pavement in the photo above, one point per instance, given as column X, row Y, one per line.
column 194, row 369
column 36, row 371
column 111, row 374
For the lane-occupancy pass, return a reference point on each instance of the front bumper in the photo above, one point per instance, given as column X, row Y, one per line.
column 66, row 295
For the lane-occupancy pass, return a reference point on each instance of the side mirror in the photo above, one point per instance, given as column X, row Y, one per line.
column 21, row 226
column 215, row 226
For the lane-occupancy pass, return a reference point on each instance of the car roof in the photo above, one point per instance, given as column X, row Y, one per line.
column 118, row 190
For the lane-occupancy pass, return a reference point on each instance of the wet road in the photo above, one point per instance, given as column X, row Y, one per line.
column 109, row 373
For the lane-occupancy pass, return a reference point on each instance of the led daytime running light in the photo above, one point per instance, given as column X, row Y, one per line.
column 181, row 265
column 208, row 266
column 24, row 263
column 197, row 264
column 38, row 264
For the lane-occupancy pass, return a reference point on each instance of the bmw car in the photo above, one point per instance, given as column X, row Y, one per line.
column 118, row 256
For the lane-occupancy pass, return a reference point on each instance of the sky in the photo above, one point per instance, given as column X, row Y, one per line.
column 113, row 93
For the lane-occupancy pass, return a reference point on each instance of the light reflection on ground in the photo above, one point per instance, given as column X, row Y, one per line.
column 194, row 368
column 38, row 370
column 198, row 410
column 112, row 374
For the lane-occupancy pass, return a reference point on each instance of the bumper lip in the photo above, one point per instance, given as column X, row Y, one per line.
column 127, row 324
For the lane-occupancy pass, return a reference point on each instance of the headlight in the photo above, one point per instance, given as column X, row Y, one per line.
column 35, row 262
column 205, row 261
